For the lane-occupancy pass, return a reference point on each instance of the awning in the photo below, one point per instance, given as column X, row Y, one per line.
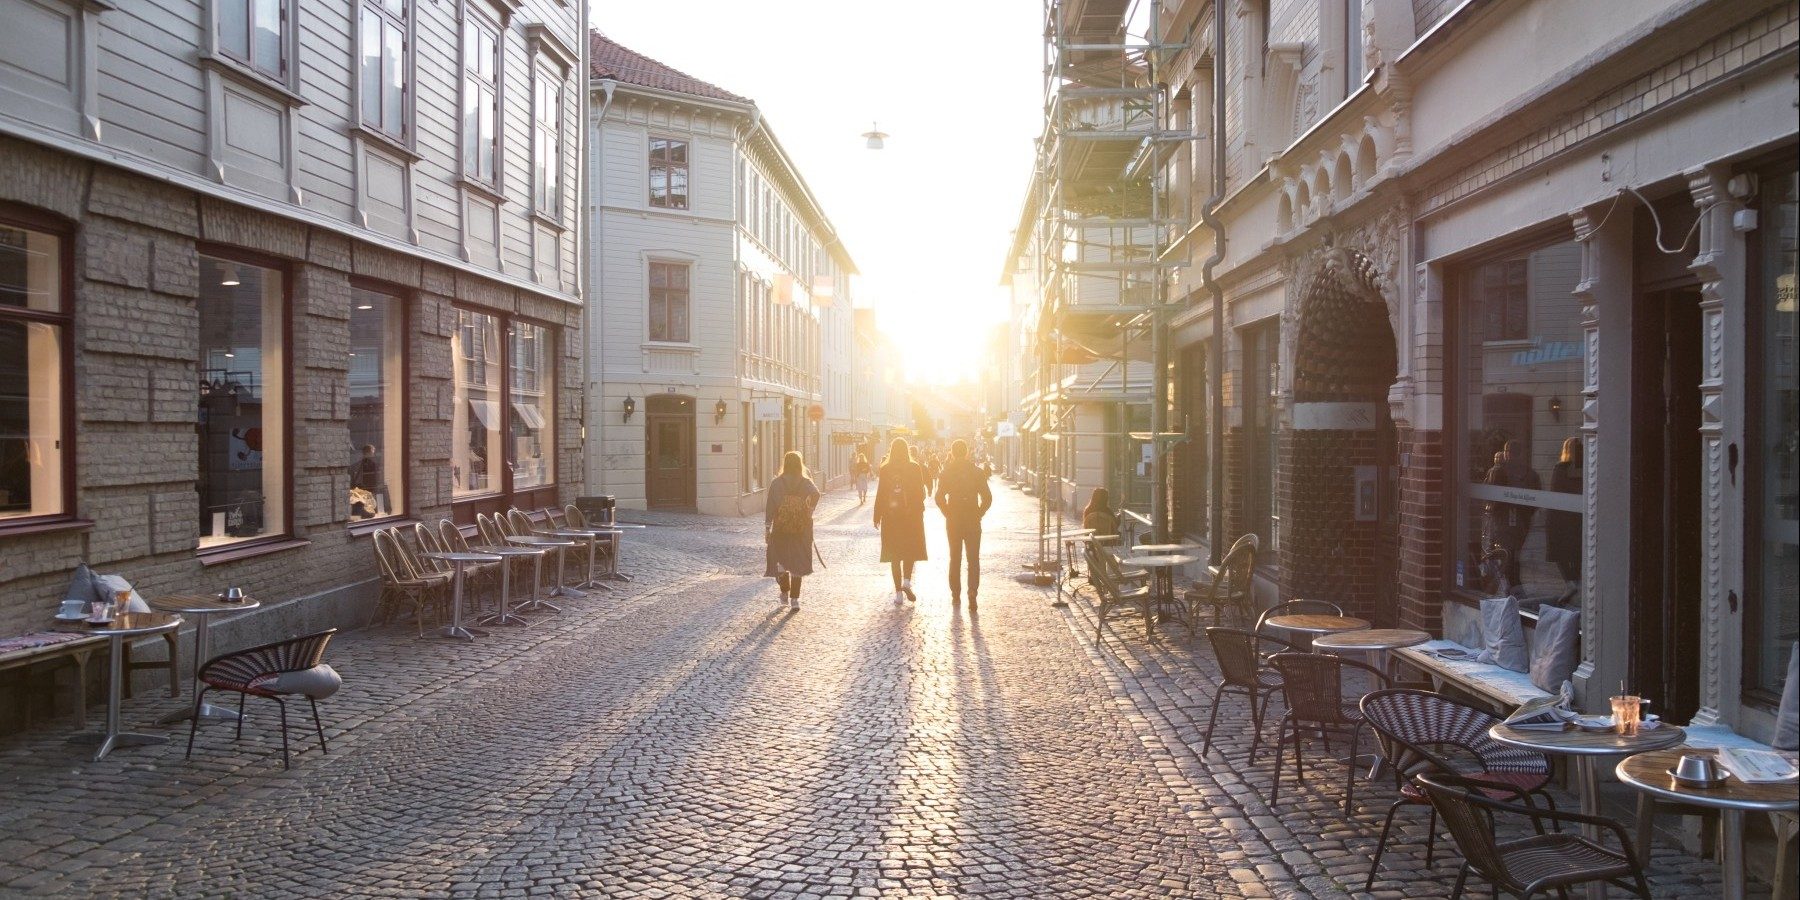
column 1034, row 421
column 487, row 412
column 529, row 415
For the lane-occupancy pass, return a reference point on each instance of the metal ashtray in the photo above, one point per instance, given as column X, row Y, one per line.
column 1701, row 772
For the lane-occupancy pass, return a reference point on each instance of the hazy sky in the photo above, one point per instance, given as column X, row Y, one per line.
column 954, row 82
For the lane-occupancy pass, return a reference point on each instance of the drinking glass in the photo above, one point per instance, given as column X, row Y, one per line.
column 1627, row 709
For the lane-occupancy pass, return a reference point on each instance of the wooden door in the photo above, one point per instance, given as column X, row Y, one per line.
column 669, row 464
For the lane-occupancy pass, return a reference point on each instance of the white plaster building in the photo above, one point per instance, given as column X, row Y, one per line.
column 716, row 281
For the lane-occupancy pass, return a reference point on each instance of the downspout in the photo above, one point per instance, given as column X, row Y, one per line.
column 591, row 276
column 1209, row 216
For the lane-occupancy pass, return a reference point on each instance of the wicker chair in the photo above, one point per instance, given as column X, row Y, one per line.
column 284, row 668
column 1244, row 672
column 478, row 575
column 1312, row 684
column 1532, row 865
column 401, row 583
column 493, row 534
column 1229, row 586
column 1421, row 732
column 1103, row 571
column 578, row 520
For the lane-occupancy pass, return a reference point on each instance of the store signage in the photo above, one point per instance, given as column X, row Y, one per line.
column 768, row 409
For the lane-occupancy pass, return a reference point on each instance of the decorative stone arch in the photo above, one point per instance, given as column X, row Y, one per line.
column 1344, row 360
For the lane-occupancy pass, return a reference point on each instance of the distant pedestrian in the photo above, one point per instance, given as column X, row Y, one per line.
column 788, row 524
column 918, row 459
column 900, row 514
column 860, row 470
column 963, row 497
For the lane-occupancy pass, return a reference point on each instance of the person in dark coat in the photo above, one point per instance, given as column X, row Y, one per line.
column 788, row 526
column 900, row 515
column 963, row 497
column 1562, row 529
column 1511, row 522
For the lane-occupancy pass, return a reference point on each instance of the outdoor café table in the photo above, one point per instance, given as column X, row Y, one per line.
column 1164, row 548
column 1371, row 641
column 590, row 536
column 1070, row 539
column 612, row 568
column 505, row 615
column 1317, row 624
column 123, row 625
column 537, row 582
column 1649, row 772
column 1585, row 750
column 202, row 607
column 1164, row 566
column 460, row 562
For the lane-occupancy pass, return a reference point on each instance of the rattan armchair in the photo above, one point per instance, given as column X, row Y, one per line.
column 1103, row 572
column 1540, row 863
column 1242, row 671
column 1421, row 732
column 283, row 668
column 1229, row 586
column 402, row 584
column 1312, row 684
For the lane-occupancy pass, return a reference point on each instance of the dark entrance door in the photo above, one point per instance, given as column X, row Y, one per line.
column 669, row 469
column 1665, row 501
column 1387, row 522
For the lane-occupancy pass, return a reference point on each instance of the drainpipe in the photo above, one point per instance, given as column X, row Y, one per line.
column 1209, row 215
column 590, row 361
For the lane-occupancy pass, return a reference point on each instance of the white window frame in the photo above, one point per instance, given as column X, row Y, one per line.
column 495, row 28
column 549, row 85
column 408, row 74
column 249, row 58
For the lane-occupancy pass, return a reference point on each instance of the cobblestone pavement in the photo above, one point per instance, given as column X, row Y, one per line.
column 685, row 737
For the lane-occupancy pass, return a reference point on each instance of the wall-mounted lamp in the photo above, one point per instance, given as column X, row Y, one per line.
column 719, row 411
column 874, row 138
column 1556, row 408
column 630, row 406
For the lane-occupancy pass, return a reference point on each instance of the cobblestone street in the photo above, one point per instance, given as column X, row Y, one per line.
column 685, row 736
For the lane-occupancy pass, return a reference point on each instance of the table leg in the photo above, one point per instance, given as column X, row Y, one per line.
column 1587, row 788
column 613, row 573
column 593, row 582
column 113, row 737
column 202, row 653
column 562, row 589
column 505, row 614
column 537, row 581
column 456, row 629
column 1731, row 852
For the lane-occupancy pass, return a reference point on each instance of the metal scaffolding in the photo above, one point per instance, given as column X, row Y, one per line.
column 1101, row 217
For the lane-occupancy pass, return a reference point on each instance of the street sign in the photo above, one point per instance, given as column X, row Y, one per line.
column 768, row 409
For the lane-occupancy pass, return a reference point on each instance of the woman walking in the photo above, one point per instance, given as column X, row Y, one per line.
column 860, row 470
column 900, row 515
column 788, row 524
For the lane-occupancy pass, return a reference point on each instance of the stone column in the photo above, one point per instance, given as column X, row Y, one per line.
column 1719, row 264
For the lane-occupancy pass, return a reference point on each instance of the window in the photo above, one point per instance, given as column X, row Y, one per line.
column 1773, row 514
column 547, row 153
column 1262, row 434
column 668, row 173
column 34, row 367
column 669, row 302
column 384, row 67
column 1518, row 363
column 533, row 410
column 481, row 99
column 253, row 31
column 476, row 453
column 242, row 422
column 376, row 454
column 1353, row 46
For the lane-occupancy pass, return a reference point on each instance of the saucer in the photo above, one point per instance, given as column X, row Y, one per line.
column 1693, row 783
column 78, row 617
column 96, row 621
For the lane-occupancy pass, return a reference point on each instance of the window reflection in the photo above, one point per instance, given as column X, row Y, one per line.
column 375, row 454
column 242, row 477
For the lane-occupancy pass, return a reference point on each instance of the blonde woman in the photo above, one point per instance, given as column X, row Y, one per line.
column 788, row 525
column 900, row 516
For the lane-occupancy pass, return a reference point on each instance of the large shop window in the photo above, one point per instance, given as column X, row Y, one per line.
column 243, row 403
column 34, row 334
column 377, row 448
column 504, row 434
column 1772, row 620
column 533, row 391
column 1519, row 363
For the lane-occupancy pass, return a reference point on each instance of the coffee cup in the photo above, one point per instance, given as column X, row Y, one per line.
column 72, row 608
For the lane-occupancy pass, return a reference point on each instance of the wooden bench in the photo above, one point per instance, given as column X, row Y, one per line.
column 1500, row 690
column 76, row 650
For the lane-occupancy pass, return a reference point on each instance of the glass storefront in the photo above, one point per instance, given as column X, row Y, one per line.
column 33, row 329
column 1773, row 513
column 1519, row 353
column 242, row 427
column 376, row 452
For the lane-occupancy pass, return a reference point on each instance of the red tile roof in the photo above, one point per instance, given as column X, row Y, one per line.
column 609, row 59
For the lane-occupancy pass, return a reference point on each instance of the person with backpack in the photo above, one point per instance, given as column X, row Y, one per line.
column 788, row 525
column 963, row 497
column 900, row 516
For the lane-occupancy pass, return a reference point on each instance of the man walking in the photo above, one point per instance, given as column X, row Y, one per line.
column 963, row 497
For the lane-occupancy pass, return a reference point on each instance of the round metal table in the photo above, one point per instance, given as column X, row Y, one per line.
column 202, row 607
column 504, row 616
column 537, row 582
column 591, row 536
column 1318, row 624
column 1371, row 642
column 1649, row 772
column 123, row 625
column 1164, row 548
column 460, row 562
column 1163, row 566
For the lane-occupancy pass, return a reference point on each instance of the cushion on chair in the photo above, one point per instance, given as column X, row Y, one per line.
column 81, row 586
column 1787, row 716
column 1553, row 655
column 1502, row 635
column 318, row 682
